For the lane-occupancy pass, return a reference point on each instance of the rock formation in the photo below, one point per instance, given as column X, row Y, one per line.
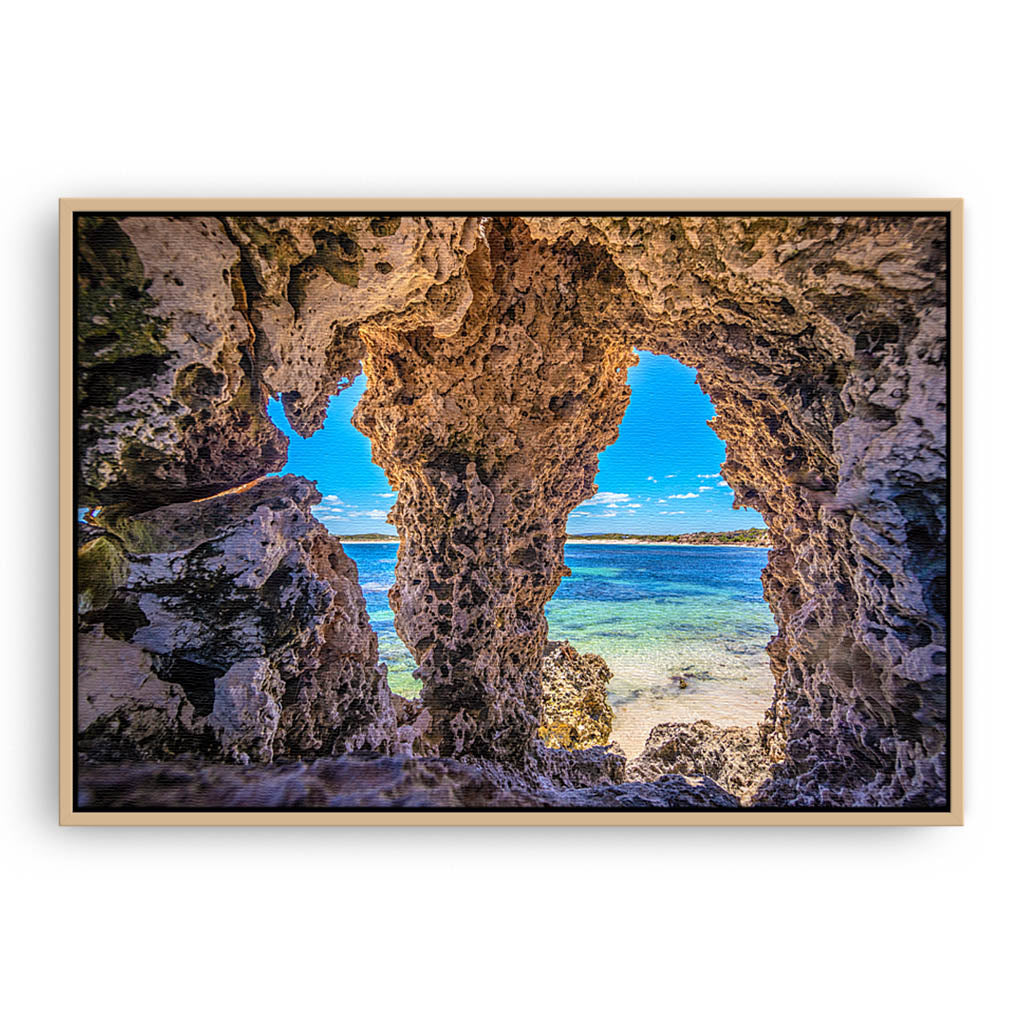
column 354, row 782
column 230, row 626
column 187, row 325
column 496, row 352
column 734, row 757
column 575, row 713
column 490, row 439
column 822, row 342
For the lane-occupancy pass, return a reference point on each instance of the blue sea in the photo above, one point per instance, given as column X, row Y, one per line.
column 652, row 612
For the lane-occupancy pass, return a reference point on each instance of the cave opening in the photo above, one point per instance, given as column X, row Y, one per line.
column 356, row 499
column 665, row 580
column 681, row 620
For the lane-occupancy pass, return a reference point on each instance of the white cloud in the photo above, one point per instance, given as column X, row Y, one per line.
column 708, row 476
column 634, row 506
column 605, row 515
column 703, row 488
column 662, row 501
column 668, row 476
column 373, row 513
column 587, row 514
column 332, row 497
column 606, row 498
column 388, row 494
column 652, row 479
column 690, row 495
column 665, row 512
column 722, row 483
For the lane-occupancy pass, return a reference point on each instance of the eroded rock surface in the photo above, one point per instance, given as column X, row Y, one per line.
column 822, row 342
column 496, row 352
column 575, row 712
column 310, row 282
column 170, row 405
column 734, row 757
column 373, row 782
column 236, row 622
column 490, row 438
column 187, row 325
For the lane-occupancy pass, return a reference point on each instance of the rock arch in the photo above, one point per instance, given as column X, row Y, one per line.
column 496, row 352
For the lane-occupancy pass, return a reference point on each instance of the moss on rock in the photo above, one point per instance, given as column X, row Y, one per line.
column 102, row 568
column 115, row 319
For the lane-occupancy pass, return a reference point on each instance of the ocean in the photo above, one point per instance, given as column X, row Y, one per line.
column 652, row 612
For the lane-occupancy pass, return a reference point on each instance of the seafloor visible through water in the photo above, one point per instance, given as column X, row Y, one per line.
column 653, row 613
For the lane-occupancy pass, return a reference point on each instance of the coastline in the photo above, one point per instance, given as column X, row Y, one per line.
column 667, row 544
column 610, row 543
column 674, row 625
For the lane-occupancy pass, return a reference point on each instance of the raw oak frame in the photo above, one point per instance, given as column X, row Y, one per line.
column 954, row 816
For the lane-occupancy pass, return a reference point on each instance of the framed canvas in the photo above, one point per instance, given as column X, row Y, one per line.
column 444, row 511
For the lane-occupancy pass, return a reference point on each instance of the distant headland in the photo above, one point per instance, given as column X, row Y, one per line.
column 753, row 537
column 367, row 538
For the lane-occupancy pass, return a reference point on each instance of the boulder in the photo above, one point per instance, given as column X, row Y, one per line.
column 575, row 712
column 734, row 757
column 244, row 615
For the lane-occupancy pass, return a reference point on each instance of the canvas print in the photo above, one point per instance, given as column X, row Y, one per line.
column 561, row 511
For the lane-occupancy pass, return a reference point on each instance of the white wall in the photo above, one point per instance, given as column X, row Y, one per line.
column 195, row 99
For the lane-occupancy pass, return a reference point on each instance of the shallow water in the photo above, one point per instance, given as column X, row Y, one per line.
column 652, row 612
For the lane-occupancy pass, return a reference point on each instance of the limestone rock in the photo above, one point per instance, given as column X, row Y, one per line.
column 822, row 342
column 413, row 724
column 575, row 712
column 490, row 437
column 670, row 792
column 252, row 611
column 580, row 769
column 312, row 281
column 247, row 709
column 734, row 757
column 125, row 707
column 187, row 325
column 367, row 782
column 169, row 402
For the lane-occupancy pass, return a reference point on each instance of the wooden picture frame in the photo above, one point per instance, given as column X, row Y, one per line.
column 951, row 813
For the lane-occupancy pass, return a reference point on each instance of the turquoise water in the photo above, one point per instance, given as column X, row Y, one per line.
column 376, row 564
column 652, row 612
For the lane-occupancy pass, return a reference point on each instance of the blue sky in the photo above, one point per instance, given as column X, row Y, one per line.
column 356, row 495
column 660, row 476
